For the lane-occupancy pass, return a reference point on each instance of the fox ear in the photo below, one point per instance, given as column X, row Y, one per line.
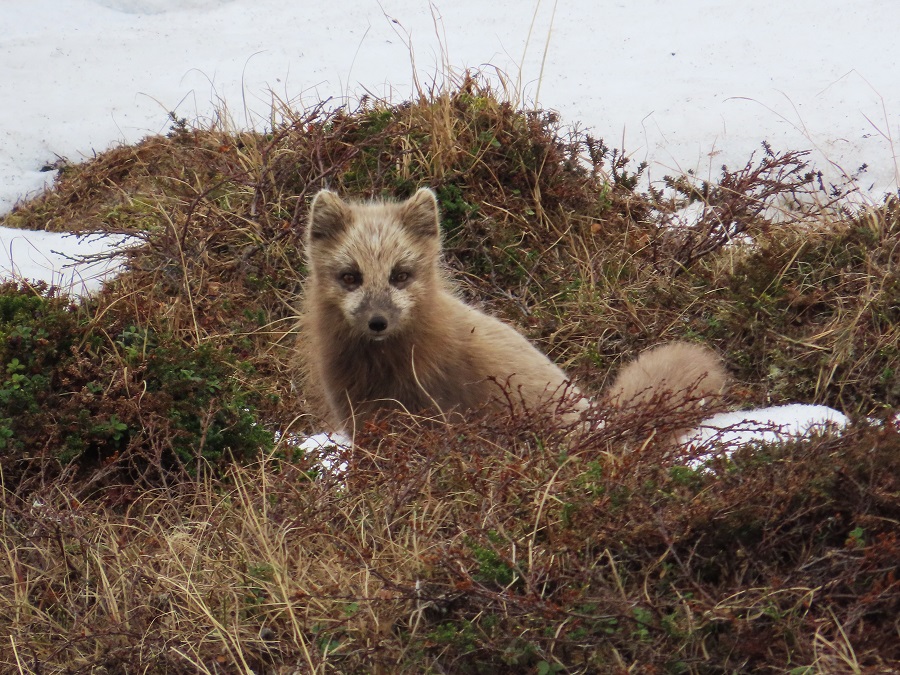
column 420, row 214
column 328, row 217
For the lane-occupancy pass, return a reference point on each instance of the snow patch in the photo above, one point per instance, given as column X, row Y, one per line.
column 158, row 6
column 76, row 264
column 328, row 450
column 722, row 434
column 684, row 86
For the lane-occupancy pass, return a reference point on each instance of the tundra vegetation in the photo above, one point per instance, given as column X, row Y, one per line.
column 158, row 516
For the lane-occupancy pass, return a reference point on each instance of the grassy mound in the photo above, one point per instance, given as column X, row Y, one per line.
column 487, row 549
column 158, row 518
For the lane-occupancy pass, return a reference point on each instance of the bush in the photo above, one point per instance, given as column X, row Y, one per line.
column 134, row 402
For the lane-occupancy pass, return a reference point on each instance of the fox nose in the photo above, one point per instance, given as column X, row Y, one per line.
column 378, row 324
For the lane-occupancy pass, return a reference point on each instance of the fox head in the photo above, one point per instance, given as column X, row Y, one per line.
column 375, row 262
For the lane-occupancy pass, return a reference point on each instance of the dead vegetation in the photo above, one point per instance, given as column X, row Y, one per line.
column 489, row 546
column 153, row 523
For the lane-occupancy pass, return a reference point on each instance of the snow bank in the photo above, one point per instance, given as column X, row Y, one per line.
column 75, row 264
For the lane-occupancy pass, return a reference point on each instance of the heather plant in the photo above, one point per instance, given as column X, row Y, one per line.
column 80, row 397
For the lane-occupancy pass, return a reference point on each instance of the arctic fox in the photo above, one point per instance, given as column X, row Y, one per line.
column 382, row 327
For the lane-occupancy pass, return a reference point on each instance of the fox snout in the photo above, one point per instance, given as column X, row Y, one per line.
column 378, row 324
column 377, row 317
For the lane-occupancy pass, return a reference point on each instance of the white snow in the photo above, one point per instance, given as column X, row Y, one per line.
column 723, row 433
column 328, row 450
column 687, row 85
column 684, row 86
column 766, row 425
column 76, row 264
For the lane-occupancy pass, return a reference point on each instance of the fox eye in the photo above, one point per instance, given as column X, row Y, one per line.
column 400, row 277
column 351, row 279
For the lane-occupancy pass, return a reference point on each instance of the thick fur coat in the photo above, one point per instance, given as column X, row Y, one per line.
column 381, row 326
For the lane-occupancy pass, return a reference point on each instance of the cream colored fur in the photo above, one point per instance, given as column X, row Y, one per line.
column 381, row 326
column 689, row 370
